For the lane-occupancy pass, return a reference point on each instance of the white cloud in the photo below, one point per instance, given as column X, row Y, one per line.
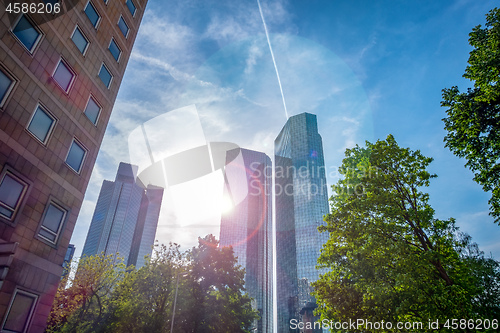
column 163, row 34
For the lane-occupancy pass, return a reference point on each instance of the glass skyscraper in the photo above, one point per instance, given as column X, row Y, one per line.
column 301, row 202
column 248, row 226
column 125, row 218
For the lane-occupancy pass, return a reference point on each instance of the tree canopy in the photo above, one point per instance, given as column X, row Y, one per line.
column 200, row 290
column 473, row 117
column 389, row 257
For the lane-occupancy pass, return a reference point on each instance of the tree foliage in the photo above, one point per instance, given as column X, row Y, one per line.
column 473, row 117
column 204, row 284
column 86, row 301
column 389, row 257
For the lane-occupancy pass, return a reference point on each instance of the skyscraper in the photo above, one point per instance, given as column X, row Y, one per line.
column 248, row 226
column 70, row 252
column 301, row 202
column 125, row 218
column 60, row 72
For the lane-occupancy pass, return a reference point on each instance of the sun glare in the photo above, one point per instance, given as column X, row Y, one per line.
column 226, row 205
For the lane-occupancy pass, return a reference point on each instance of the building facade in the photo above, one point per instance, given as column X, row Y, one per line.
column 248, row 226
column 301, row 202
column 125, row 218
column 59, row 77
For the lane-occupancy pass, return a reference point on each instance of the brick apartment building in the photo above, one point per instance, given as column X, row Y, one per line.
column 59, row 77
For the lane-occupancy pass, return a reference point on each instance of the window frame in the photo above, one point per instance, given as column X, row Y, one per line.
column 52, row 201
column 96, row 25
column 111, row 74
column 9, row 90
column 118, row 47
column 27, row 185
column 37, row 40
column 98, row 104
column 86, row 151
column 52, row 126
column 125, row 22
column 77, row 27
column 73, row 79
column 27, row 324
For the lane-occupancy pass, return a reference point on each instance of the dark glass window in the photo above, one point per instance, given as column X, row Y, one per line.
column 20, row 312
column 123, row 26
column 80, row 41
column 26, row 32
column 12, row 190
column 6, row 84
column 75, row 157
column 114, row 49
column 63, row 76
column 41, row 124
column 105, row 76
column 92, row 14
column 131, row 7
column 92, row 110
column 52, row 222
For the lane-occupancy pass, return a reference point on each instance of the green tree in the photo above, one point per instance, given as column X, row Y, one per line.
column 390, row 259
column 83, row 305
column 473, row 117
column 214, row 292
column 105, row 297
column 143, row 302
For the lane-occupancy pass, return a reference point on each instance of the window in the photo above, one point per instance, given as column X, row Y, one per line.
column 27, row 33
column 6, row 85
column 41, row 124
column 92, row 14
column 123, row 26
column 80, row 40
column 76, row 155
column 105, row 75
column 131, row 7
column 114, row 49
column 52, row 222
column 20, row 312
column 12, row 192
column 64, row 76
column 92, row 110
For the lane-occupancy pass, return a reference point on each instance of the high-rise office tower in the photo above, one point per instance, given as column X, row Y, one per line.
column 248, row 226
column 68, row 258
column 59, row 77
column 125, row 218
column 301, row 202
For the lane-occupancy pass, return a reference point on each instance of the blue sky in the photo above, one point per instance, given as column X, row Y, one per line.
column 365, row 68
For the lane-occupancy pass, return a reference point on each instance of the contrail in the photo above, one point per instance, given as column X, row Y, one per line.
column 272, row 56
